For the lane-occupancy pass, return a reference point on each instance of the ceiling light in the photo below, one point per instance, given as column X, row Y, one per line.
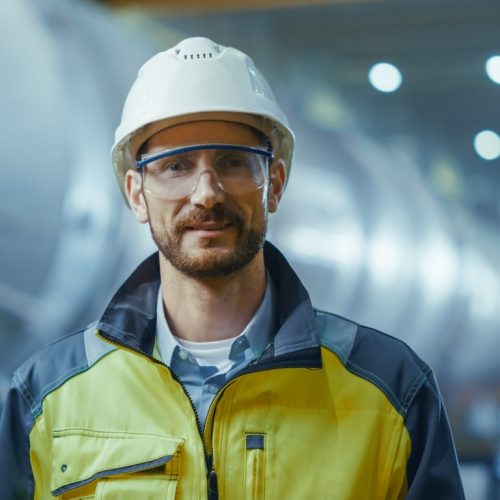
column 385, row 77
column 493, row 68
column 487, row 144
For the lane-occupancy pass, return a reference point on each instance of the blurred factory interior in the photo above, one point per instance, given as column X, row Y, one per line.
column 392, row 212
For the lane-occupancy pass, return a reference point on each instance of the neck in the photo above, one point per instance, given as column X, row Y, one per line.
column 213, row 308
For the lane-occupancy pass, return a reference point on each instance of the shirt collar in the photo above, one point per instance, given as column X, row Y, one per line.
column 130, row 317
column 248, row 345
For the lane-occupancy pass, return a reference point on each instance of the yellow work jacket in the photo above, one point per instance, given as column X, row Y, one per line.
column 330, row 410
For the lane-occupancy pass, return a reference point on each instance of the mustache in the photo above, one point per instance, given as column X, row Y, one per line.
column 219, row 213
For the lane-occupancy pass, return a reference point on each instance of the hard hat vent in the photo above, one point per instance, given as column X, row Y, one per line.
column 197, row 49
column 204, row 55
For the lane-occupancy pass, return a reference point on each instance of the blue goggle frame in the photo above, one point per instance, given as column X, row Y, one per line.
column 196, row 147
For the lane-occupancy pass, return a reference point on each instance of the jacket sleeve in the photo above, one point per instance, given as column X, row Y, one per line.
column 432, row 469
column 16, row 478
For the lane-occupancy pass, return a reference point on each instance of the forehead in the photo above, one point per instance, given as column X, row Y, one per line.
column 210, row 131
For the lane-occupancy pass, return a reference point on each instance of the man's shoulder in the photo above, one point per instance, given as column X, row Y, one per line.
column 386, row 361
column 55, row 363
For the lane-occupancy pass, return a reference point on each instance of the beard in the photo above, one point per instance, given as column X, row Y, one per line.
column 210, row 264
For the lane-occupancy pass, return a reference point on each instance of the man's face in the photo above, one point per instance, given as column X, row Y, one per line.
column 207, row 233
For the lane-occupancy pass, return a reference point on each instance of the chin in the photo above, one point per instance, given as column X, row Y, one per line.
column 210, row 257
column 211, row 262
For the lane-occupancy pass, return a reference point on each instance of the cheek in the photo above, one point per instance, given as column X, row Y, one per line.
column 160, row 215
column 250, row 207
column 254, row 212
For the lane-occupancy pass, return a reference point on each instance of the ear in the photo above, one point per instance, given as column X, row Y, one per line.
column 135, row 196
column 277, row 178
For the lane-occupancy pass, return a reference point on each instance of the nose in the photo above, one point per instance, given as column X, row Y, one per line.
column 206, row 190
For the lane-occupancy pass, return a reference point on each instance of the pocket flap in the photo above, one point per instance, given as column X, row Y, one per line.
column 80, row 456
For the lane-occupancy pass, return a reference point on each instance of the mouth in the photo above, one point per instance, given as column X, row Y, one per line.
column 209, row 226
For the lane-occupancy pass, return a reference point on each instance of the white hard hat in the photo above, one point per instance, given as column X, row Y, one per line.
column 198, row 79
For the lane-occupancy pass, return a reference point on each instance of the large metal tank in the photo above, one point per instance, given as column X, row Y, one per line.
column 66, row 239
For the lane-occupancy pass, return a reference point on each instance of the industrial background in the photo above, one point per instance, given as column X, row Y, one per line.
column 392, row 212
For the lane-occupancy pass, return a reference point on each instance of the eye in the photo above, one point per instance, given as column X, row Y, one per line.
column 173, row 166
column 233, row 161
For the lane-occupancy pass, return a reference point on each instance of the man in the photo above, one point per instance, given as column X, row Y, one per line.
column 210, row 375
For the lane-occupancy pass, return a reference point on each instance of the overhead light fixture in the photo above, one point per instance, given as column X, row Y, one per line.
column 385, row 77
column 487, row 144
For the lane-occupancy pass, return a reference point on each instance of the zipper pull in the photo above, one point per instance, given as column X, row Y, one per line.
column 213, row 493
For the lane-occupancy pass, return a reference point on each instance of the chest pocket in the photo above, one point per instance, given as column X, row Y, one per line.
column 89, row 464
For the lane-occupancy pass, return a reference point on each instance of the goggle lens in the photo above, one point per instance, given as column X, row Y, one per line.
column 174, row 173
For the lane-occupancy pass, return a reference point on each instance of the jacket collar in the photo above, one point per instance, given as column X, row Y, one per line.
column 130, row 318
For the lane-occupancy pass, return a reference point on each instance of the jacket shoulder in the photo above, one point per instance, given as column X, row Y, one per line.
column 52, row 365
column 386, row 361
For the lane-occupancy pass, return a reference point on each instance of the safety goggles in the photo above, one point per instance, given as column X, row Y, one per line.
column 174, row 173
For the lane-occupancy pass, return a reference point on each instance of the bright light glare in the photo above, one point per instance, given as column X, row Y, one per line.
column 319, row 246
column 439, row 268
column 386, row 259
column 487, row 144
column 493, row 68
column 481, row 284
column 385, row 77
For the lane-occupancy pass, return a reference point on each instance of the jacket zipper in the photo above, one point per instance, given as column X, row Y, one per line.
column 208, row 458
column 252, row 367
column 209, row 462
